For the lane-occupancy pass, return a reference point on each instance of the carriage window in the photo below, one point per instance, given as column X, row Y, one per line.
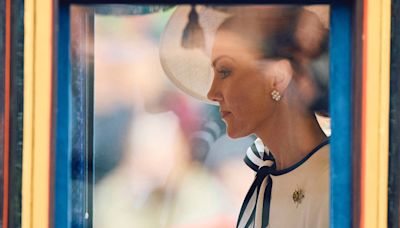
column 144, row 152
column 162, row 156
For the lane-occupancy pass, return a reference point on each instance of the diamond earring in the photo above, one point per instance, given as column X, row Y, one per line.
column 276, row 96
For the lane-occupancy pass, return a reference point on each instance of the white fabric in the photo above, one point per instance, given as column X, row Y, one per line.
column 311, row 177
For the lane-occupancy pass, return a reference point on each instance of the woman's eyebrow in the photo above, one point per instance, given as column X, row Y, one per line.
column 220, row 57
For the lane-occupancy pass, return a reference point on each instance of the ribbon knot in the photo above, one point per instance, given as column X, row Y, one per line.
column 264, row 171
column 255, row 208
column 256, row 205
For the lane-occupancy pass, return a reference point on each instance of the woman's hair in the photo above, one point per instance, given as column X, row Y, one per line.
column 287, row 32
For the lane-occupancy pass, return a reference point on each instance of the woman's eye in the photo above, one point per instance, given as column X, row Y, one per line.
column 224, row 72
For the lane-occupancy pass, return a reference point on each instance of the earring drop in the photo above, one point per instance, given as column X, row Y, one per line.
column 276, row 96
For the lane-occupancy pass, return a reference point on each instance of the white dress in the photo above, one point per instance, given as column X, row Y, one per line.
column 294, row 197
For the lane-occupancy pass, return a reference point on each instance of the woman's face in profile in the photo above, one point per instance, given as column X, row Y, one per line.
column 241, row 85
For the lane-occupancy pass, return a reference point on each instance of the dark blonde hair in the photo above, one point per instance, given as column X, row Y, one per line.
column 285, row 32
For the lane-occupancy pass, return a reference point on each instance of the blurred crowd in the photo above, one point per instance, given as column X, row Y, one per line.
column 161, row 158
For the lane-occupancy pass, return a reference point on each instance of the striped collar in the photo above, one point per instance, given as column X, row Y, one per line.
column 256, row 205
column 257, row 157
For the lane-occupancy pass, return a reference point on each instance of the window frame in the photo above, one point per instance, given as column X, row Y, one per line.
column 3, row 185
column 342, row 94
column 11, row 108
column 394, row 120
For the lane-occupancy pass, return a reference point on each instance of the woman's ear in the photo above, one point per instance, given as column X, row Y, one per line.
column 283, row 73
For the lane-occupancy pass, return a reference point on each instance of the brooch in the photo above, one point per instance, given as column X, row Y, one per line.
column 298, row 196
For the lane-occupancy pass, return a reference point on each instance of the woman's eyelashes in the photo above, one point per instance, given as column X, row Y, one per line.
column 224, row 72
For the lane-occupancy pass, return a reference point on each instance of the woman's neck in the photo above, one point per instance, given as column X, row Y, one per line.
column 291, row 137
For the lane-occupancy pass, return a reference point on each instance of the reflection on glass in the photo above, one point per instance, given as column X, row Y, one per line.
column 269, row 75
column 161, row 158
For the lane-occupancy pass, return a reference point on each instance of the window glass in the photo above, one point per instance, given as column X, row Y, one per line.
column 160, row 157
column 152, row 150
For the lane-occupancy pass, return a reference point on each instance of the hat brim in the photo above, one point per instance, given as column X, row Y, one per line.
column 190, row 69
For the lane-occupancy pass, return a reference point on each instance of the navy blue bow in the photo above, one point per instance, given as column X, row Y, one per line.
column 262, row 162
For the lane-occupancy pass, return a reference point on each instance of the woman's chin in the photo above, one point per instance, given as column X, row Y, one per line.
column 235, row 134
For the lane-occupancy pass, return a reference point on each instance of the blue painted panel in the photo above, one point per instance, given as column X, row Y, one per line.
column 62, row 180
column 341, row 114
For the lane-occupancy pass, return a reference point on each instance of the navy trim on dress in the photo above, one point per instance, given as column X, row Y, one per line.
column 291, row 168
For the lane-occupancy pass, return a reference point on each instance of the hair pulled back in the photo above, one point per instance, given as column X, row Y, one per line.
column 288, row 32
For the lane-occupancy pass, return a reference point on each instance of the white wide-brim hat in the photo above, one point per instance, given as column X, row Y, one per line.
column 189, row 67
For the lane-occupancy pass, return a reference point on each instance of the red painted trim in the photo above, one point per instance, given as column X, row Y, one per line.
column 363, row 113
column 7, row 112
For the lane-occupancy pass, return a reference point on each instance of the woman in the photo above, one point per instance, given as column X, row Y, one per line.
column 266, row 64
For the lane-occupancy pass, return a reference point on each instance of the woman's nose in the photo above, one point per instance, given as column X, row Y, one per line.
column 214, row 93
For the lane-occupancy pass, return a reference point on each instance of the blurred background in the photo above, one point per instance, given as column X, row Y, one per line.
column 161, row 158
